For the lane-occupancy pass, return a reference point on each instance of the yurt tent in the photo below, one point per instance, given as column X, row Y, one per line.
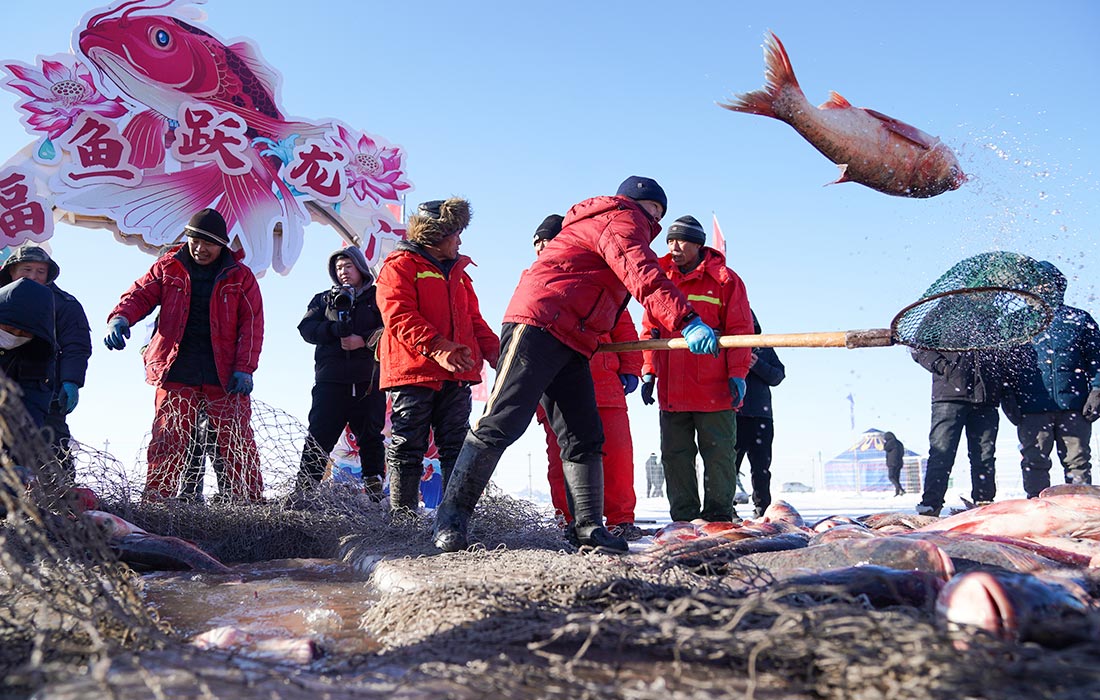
column 862, row 467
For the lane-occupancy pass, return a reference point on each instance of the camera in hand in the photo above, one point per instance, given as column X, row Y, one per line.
column 342, row 299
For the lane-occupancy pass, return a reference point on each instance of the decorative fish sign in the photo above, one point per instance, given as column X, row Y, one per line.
column 155, row 117
column 869, row 147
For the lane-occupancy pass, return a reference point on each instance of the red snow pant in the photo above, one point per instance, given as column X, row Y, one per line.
column 230, row 418
column 618, row 468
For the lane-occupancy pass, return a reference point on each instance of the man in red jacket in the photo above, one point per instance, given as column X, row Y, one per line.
column 202, row 356
column 433, row 344
column 571, row 295
column 614, row 375
column 698, row 395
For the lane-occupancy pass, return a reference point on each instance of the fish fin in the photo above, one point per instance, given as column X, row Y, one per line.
column 835, row 101
column 778, row 75
column 270, row 126
column 843, row 175
column 268, row 76
column 145, row 132
column 906, row 131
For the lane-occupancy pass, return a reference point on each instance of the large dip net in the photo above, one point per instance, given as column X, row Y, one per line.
column 991, row 300
column 525, row 616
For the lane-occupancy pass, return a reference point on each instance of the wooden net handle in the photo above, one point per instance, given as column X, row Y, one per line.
column 870, row 338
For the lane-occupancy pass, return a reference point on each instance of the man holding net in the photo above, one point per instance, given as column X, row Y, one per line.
column 202, row 355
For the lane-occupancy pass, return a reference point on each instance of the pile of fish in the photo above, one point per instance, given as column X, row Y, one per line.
column 1020, row 570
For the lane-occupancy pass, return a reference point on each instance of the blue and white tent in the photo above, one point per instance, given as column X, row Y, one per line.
column 862, row 467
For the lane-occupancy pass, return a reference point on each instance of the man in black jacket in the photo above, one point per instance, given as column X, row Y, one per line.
column 74, row 344
column 966, row 393
column 344, row 322
column 27, row 343
column 755, row 427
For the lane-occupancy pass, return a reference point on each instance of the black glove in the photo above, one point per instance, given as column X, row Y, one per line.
column 1091, row 411
column 649, row 383
column 342, row 328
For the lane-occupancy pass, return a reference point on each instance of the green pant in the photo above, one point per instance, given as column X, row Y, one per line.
column 717, row 438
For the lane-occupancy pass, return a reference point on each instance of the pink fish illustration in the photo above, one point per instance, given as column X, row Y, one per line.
column 167, row 64
column 869, row 147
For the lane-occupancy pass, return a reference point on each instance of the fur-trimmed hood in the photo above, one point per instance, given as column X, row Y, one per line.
column 437, row 219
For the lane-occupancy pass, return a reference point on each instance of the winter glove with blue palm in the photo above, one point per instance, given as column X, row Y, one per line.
column 630, row 383
column 700, row 338
column 71, row 394
column 240, row 383
column 737, row 391
column 118, row 330
column 649, row 382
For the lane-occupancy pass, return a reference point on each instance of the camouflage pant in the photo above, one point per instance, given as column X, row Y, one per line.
column 1039, row 432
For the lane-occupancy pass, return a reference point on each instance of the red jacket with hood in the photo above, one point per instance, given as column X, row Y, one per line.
column 420, row 305
column 687, row 382
column 236, row 315
column 584, row 277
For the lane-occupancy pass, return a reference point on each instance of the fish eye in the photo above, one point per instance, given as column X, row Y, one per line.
column 161, row 38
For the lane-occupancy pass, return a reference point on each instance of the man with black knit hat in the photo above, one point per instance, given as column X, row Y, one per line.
column 344, row 323
column 698, row 395
column 433, row 345
column 74, row 343
column 572, row 294
column 202, row 355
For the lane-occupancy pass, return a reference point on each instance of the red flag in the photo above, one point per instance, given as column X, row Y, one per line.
column 719, row 239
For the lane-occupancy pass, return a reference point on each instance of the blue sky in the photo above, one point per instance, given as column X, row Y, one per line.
column 527, row 108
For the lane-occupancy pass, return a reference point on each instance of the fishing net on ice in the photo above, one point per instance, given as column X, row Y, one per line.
column 991, row 300
column 523, row 616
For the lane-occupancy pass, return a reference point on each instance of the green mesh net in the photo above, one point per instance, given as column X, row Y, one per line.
column 992, row 300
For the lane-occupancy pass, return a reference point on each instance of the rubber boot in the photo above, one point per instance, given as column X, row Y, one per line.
column 405, row 489
column 584, row 487
column 472, row 471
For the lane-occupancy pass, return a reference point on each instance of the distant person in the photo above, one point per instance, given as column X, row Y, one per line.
column 895, row 459
column 570, row 296
column 433, row 347
column 966, row 390
column 614, row 375
column 654, row 477
column 202, row 355
column 755, row 422
column 699, row 394
column 27, row 346
column 1054, row 391
column 344, row 323
column 74, row 344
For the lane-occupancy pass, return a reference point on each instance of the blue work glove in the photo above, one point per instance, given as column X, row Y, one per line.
column 649, row 382
column 71, row 392
column 240, row 383
column 737, row 391
column 630, row 383
column 700, row 338
column 118, row 330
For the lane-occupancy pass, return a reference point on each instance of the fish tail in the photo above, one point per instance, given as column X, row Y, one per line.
column 779, row 75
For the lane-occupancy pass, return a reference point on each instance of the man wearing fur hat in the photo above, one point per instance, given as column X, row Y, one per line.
column 433, row 344
column 202, row 355
column 344, row 323
column 572, row 294
column 698, row 396
column 74, row 343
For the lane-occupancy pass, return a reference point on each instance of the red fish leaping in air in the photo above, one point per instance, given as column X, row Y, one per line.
column 869, row 147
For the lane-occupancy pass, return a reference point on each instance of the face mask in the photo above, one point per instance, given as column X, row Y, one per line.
column 10, row 341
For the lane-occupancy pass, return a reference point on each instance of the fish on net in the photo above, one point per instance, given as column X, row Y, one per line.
column 523, row 615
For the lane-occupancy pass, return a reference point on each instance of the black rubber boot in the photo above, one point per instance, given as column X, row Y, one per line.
column 405, row 489
column 472, row 471
column 584, row 486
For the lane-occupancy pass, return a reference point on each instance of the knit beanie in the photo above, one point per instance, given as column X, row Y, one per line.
column 550, row 227
column 641, row 188
column 437, row 219
column 209, row 226
column 687, row 228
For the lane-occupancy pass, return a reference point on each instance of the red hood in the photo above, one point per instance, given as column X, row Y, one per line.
column 603, row 204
